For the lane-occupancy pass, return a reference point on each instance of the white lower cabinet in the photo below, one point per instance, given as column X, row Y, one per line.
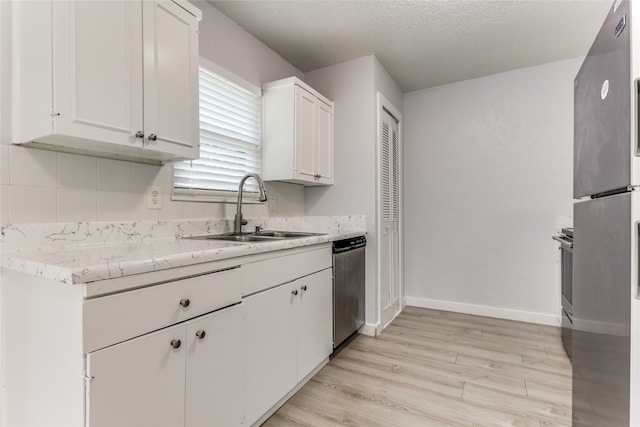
column 188, row 348
column 170, row 356
column 314, row 321
column 271, row 349
column 215, row 369
column 138, row 382
column 288, row 335
column 190, row 374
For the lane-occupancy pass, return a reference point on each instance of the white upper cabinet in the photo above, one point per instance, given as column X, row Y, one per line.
column 97, row 73
column 171, row 90
column 111, row 78
column 298, row 134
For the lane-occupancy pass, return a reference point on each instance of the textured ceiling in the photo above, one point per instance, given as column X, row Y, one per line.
column 423, row 43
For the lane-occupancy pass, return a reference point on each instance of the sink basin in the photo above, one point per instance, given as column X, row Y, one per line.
column 235, row 238
column 262, row 236
column 285, row 234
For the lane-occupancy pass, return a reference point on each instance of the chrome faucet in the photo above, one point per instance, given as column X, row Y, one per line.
column 238, row 222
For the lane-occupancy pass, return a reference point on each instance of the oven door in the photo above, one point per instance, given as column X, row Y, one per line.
column 566, row 290
column 566, row 268
column 567, row 279
column 566, row 332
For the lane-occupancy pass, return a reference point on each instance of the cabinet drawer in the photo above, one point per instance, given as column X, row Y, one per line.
column 260, row 275
column 115, row 318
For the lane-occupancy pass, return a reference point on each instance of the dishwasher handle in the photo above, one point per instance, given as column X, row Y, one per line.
column 349, row 244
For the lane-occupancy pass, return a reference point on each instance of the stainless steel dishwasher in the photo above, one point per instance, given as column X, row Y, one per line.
column 348, row 287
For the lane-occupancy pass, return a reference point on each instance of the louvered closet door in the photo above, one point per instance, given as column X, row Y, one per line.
column 389, row 197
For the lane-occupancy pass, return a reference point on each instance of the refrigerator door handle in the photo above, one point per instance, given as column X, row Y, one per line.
column 636, row 95
column 637, row 260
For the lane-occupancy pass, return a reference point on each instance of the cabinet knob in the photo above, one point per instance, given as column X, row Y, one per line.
column 185, row 302
column 176, row 343
column 303, row 287
column 294, row 292
column 152, row 137
column 139, row 134
column 200, row 334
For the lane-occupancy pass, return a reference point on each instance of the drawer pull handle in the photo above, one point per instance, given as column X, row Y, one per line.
column 176, row 343
column 185, row 302
column 200, row 334
column 294, row 292
column 303, row 287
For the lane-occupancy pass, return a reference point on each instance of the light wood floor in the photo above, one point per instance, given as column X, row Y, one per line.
column 432, row 368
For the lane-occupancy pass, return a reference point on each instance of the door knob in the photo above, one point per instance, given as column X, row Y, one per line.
column 200, row 334
column 176, row 343
column 153, row 137
column 185, row 302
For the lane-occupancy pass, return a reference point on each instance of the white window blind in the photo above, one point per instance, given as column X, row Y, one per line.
column 230, row 141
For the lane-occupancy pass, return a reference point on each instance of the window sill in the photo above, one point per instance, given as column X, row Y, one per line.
column 231, row 198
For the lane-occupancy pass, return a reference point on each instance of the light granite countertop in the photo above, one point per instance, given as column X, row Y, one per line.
column 87, row 252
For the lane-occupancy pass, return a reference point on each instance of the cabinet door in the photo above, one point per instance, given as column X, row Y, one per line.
column 315, row 332
column 215, row 369
column 271, row 349
column 97, row 70
column 324, row 143
column 139, row 382
column 171, row 118
column 305, row 120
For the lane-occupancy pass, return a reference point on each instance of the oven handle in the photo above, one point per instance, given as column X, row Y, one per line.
column 564, row 242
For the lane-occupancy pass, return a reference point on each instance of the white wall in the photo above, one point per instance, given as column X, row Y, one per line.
column 352, row 86
column 5, row 52
column 488, row 173
column 225, row 43
column 384, row 84
column 45, row 186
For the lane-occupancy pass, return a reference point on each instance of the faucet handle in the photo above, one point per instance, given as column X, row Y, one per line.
column 258, row 229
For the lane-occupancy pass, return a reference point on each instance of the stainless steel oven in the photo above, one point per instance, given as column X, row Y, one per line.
column 565, row 238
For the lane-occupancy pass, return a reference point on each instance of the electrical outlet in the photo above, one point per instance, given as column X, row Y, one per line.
column 154, row 197
column 272, row 203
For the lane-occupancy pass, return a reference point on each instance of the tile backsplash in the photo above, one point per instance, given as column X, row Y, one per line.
column 40, row 186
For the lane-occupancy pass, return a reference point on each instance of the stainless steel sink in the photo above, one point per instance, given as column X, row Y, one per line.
column 261, row 236
column 237, row 238
column 285, row 234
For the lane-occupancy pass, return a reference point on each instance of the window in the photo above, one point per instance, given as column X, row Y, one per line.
column 230, row 141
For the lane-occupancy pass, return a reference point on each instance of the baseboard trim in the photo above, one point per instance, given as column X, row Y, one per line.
column 288, row 396
column 482, row 310
column 370, row 329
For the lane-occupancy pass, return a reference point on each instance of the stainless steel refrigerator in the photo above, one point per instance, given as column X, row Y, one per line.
column 606, row 226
